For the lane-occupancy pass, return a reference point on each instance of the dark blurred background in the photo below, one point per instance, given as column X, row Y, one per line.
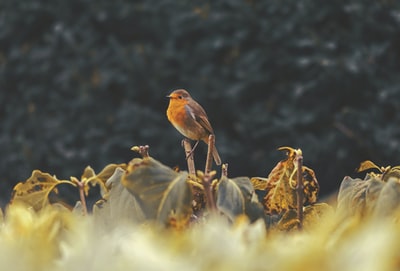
column 82, row 81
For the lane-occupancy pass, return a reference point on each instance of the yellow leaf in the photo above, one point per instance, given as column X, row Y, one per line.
column 35, row 190
column 90, row 177
column 312, row 215
column 385, row 173
column 259, row 183
column 392, row 173
column 368, row 165
column 280, row 185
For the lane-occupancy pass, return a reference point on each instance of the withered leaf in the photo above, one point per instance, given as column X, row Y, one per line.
column 280, row 185
column 385, row 173
column 366, row 165
column 392, row 173
column 89, row 177
column 312, row 215
column 36, row 189
column 161, row 192
column 259, row 183
column 108, row 171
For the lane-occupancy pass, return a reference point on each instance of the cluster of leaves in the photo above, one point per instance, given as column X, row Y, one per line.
column 377, row 194
column 146, row 190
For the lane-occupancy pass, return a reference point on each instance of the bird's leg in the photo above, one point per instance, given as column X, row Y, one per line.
column 192, row 150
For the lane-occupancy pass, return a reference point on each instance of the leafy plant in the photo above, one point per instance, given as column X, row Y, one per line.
column 376, row 194
column 287, row 189
column 232, row 231
column 36, row 190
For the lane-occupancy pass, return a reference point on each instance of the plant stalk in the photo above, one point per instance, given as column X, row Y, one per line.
column 189, row 156
column 300, row 190
column 81, row 187
column 209, row 161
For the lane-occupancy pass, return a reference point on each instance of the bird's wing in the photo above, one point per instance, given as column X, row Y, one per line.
column 201, row 119
column 190, row 112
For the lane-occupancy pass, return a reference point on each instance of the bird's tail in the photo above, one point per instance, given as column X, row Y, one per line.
column 215, row 154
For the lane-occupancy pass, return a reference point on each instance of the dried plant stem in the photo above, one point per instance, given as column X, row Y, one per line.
column 224, row 172
column 81, row 187
column 142, row 150
column 208, row 191
column 299, row 190
column 209, row 161
column 189, row 156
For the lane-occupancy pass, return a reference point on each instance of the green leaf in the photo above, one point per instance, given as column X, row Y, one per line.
column 234, row 195
column 351, row 196
column 120, row 205
column 161, row 192
column 389, row 199
column 357, row 196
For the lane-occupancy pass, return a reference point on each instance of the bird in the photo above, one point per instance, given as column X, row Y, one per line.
column 190, row 119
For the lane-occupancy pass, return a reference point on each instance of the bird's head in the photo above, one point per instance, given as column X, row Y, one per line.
column 179, row 94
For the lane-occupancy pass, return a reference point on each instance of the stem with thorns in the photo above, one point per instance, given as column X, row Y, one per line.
column 299, row 189
column 189, row 156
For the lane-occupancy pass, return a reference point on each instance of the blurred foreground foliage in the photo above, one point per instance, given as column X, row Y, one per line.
column 82, row 80
column 144, row 220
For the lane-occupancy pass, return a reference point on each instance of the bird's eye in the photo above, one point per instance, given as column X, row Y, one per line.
column 180, row 97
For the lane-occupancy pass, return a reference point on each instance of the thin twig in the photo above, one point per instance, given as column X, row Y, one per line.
column 81, row 187
column 189, row 156
column 299, row 189
column 209, row 161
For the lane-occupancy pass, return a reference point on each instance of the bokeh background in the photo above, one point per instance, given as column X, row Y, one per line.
column 82, row 81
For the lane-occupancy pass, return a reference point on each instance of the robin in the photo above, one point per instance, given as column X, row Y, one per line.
column 190, row 119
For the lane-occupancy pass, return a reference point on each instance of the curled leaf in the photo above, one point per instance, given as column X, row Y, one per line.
column 366, row 165
column 385, row 173
column 89, row 177
column 393, row 173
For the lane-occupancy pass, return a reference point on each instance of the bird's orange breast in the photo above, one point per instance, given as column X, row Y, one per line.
column 183, row 121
